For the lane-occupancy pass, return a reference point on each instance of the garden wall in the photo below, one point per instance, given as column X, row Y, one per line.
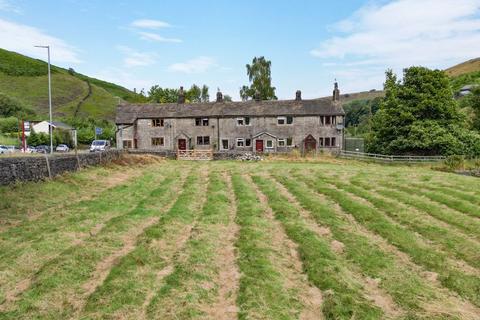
column 36, row 168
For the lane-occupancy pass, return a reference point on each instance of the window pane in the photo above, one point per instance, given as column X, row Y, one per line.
column 322, row 120
column 206, row 140
column 289, row 120
column 320, row 141
column 327, row 120
column 290, row 142
column 240, row 121
column 327, row 142
column 248, row 142
column 247, row 121
column 198, row 121
column 199, row 140
column 281, row 142
column 240, row 142
column 281, row 120
column 334, row 144
column 205, row 122
column 269, row 144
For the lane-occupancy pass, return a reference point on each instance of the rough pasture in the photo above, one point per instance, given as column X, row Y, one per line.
column 227, row 240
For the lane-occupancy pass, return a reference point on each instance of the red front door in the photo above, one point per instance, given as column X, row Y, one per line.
column 259, row 145
column 182, row 144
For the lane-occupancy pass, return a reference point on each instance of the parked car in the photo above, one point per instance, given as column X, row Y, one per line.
column 43, row 149
column 99, row 145
column 3, row 149
column 13, row 149
column 62, row 148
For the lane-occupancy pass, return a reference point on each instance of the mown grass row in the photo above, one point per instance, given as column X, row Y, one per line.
column 25, row 248
column 262, row 293
column 323, row 268
column 453, row 203
column 455, row 244
column 407, row 289
column 467, row 286
column 60, row 279
column 130, row 281
column 467, row 224
column 193, row 285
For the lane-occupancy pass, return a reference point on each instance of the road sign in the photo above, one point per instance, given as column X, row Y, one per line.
column 98, row 130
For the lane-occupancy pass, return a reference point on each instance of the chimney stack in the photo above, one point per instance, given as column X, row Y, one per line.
column 219, row 96
column 257, row 95
column 298, row 95
column 181, row 95
column 336, row 92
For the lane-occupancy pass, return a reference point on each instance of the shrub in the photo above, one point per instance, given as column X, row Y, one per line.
column 455, row 162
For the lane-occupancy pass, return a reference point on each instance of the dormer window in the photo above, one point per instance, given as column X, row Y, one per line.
column 158, row 122
column 199, row 122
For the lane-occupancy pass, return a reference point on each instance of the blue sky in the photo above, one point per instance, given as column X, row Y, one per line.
column 310, row 43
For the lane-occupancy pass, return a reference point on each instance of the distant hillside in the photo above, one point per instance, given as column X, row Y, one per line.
column 464, row 67
column 25, row 80
column 365, row 95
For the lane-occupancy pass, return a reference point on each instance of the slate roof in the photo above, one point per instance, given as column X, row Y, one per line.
column 128, row 113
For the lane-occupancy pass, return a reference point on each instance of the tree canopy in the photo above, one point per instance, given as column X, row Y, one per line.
column 166, row 95
column 419, row 115
column 259, row 75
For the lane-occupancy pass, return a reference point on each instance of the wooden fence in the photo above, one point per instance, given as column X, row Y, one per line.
column 194, row 155
column 389, row 158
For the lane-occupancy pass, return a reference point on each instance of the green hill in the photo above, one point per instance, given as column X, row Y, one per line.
column 25, row 80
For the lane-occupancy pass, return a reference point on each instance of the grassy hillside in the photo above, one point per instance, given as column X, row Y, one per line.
column 25, row 79
column 469, row 66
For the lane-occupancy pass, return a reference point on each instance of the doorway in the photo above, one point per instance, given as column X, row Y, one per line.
column 182, row 144
column 310, row 143
column 259, row 145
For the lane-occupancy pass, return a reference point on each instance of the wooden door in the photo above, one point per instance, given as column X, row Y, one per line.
column 182, row 144
column 310, row 143
column 259, row 145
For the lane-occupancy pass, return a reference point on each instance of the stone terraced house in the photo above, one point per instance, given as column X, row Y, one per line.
column 221, row 126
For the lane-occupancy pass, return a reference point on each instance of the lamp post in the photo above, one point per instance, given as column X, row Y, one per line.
column 49, row 98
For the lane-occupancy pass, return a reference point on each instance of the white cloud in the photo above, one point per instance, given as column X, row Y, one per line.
column 156, row 37
column 135, row 58
column 401, row 33
column 150, row 24
column 197, row 65
column 6, row 5
column 22, row 38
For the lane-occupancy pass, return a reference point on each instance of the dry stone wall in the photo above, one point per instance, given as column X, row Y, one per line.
column 13, row 169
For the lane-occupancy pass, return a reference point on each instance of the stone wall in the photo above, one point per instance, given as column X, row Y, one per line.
column 35, row 168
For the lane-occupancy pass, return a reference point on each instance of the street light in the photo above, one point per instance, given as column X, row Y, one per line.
column 49, row 98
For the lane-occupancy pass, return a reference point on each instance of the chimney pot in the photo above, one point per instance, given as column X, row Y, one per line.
column 336, row 92
column 181, row 95
column 219, row 96
column 298, row 95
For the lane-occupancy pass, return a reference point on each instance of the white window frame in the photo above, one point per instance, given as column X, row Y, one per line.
column 249, row 121
column 282, row 142
column 242, row 141
column 221, row 144
column 284, row 121
column 240, row 121
column 266, row 144
column 249, row 140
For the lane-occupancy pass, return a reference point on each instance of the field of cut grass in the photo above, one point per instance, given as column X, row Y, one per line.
column 231, row 240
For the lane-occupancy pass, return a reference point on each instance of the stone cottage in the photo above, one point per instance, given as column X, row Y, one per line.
column 221, row 126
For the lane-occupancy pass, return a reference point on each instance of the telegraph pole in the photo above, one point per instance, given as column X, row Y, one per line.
column 49, row 98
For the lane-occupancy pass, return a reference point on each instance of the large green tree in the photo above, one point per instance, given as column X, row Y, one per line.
column 419, row 115
column 260, row 77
